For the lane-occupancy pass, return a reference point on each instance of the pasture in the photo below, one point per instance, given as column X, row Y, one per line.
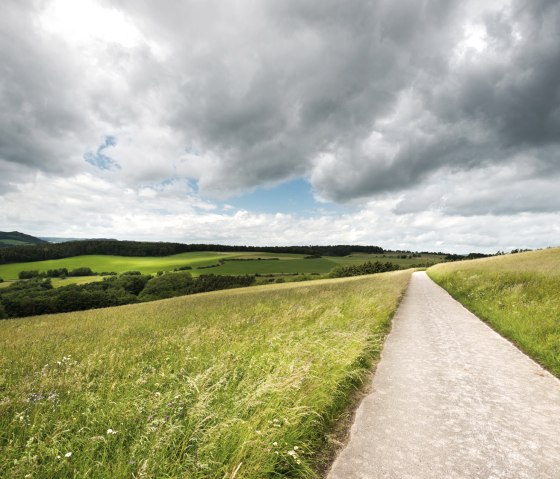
column 285, row 264
column 245, row 383
column 517, row 294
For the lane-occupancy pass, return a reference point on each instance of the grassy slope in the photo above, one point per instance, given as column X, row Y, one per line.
column 518, row 295
column 359, row 258
column 13, row 242
column 298, row 265
column 288, row 263
column 199, row 386
column 118, row 264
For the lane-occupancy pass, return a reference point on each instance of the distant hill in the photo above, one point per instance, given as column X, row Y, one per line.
column 41, row 252
column 15, row 238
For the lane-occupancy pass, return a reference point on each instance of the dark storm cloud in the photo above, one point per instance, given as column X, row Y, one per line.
column 363, row 97
column 266, row 87
column 280, row 89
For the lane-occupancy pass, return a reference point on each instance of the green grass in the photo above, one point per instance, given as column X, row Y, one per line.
column 118, row 264
column 288, row 266
column 359, row 258
column 287, row 263
column 202, row 386
column 518, row 295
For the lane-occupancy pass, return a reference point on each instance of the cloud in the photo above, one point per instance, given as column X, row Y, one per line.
column 441, row 107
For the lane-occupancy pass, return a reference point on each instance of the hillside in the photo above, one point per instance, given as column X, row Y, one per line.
column 15, row 238
column 516, row 294
column 149, row 248
column 244, row 383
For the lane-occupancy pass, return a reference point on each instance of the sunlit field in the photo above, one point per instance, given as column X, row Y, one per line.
column 518, row 295
column 288, row 264
column 239, row 383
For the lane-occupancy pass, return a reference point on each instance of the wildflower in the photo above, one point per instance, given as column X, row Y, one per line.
column 110, row 431
column 296, row 448
column 275, row 443
column 68, row 454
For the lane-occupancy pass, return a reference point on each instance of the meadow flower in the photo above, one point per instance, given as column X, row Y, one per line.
column 110, row 431
column 68, row 454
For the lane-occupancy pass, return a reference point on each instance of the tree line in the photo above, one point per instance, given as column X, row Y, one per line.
column 364, row 268
column 37, row 296
column 21, row 254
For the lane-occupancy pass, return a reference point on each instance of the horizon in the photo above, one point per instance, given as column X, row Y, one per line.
column 295, row 245
column 416, row 126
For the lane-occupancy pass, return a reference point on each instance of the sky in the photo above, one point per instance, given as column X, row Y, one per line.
column 410, row 124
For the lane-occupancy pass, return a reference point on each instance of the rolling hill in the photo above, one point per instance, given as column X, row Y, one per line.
column 15, row 238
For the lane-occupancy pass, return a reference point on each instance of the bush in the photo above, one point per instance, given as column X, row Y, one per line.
column 365, row 268
column 57, row 273
column 28, row 274
column 1, row 280
column 131, row 273
column 83, row 271
column 167, row 286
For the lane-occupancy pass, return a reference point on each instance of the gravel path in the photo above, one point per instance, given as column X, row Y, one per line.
column 452, row 399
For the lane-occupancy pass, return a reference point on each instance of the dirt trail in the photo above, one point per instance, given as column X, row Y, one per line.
column 452, row 399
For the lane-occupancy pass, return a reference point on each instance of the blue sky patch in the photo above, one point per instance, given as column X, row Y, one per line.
column 292, row 197
column 99, row 159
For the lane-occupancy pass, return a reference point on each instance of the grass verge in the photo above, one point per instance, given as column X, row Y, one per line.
column 244, row 383
column 518, row 295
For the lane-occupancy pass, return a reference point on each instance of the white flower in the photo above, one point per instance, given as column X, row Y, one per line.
column 110, row 431
column 68, row 454
column 275, row 444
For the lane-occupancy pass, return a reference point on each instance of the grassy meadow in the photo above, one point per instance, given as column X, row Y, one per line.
column 423, row 260
column 230, row 384
column 517, row 294
column 117, row 264
column 288, row 264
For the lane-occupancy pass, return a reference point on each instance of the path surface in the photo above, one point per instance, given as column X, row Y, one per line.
column 452, row 399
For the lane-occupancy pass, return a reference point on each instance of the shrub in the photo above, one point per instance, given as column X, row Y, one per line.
column 57, row 273
column 365, row 268
column 83, row 271
column 28, row 274
column 167, row 286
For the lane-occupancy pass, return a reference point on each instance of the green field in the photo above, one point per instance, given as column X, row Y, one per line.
column 517, row 294
column 202, row 386
column 118, row 264
column 287, row 263
column 395, row 258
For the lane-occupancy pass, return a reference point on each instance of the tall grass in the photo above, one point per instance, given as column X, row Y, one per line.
column 243, row 384
column 518, row 295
